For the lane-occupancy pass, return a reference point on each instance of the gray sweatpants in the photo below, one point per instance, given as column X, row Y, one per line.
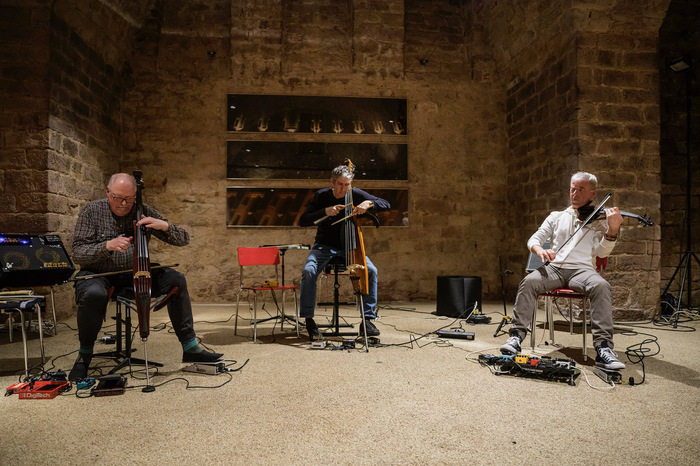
column 548, row 278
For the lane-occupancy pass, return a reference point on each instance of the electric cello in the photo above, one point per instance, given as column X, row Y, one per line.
column 142, row 275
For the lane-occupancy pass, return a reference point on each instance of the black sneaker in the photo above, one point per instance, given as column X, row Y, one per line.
column 512, row 346
column 80, row 368
column 607, row 360
column 372, row 330
column 201, row 356
column 312, row 328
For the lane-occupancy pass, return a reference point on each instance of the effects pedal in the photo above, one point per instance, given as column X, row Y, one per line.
column 455, row 334
column 111, row 384
column 15, row 388
column 85, row 383
column 211, row 368
column 607, row 376
column 318, row 344
column 348, row 343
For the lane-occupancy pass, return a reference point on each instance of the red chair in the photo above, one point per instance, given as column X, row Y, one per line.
column 266, row 256
column 570, row 295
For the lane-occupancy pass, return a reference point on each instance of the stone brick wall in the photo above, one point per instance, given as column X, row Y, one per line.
column 176, row 132
column 583, row 95
column 62, row 127
column 24, row 89
column 678, row 37
column 535, row 55
column 618, row 128
column 505, row 100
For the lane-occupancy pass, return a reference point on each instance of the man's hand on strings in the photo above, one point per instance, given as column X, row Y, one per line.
column 362, row 208
column 153, row 223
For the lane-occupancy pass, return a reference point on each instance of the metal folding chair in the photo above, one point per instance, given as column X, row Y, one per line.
column 565, row 293
column 263, row 256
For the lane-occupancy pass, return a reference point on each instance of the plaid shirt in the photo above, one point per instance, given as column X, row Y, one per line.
column 97, row 224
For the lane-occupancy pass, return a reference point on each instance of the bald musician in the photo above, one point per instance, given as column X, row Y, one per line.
column 103, row 242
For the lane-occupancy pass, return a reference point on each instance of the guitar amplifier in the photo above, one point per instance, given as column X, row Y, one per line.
column 33, row 260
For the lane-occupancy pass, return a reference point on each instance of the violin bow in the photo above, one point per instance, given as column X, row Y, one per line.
column 588, row 219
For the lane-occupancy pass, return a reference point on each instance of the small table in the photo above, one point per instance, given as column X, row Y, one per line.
column 21, row 304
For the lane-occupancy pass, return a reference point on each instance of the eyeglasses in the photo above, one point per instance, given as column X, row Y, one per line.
column 120, row 199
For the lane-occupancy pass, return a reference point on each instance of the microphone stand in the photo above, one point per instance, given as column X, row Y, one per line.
column 506, row 317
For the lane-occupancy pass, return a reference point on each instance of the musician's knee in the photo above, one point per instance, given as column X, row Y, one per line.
column 309, row 273
column 91, row 295
column 168, row 279
column 530, row 284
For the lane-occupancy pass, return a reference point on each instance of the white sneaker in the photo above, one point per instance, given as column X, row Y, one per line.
column 512, row 346
column 607, row 359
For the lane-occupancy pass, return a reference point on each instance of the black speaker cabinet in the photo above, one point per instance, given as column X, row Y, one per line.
column 33, row 260
column 457, row 294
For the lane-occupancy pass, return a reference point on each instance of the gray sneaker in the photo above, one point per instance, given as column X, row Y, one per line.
column 606, row 359
column 512, row 346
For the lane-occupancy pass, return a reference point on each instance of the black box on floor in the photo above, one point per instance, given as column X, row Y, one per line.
column 456, row 295
column 109, row 385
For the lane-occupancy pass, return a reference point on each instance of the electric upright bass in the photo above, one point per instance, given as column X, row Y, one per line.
column 142, row 275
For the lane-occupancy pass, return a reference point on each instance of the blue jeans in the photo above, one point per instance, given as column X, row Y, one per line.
column 319, row 257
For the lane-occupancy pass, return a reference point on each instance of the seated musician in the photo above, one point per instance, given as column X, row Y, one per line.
column 572, row 267
column 103, row 242
column 329, row 243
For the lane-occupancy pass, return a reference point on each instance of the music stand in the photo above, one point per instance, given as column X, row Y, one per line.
column 282, row 248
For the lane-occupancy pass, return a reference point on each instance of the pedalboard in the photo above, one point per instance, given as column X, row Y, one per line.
column 43, row 387
column 523, row 365
column 210, row 368
column 455, row 334
column 43, row 390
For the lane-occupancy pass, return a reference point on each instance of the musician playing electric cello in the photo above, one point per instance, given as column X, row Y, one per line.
column 329, row 204
column 572, row 267
column 103, row 242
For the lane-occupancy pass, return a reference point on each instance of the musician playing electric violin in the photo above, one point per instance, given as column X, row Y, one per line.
column 325, row 209
column 103, row 242
column 572, row 266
